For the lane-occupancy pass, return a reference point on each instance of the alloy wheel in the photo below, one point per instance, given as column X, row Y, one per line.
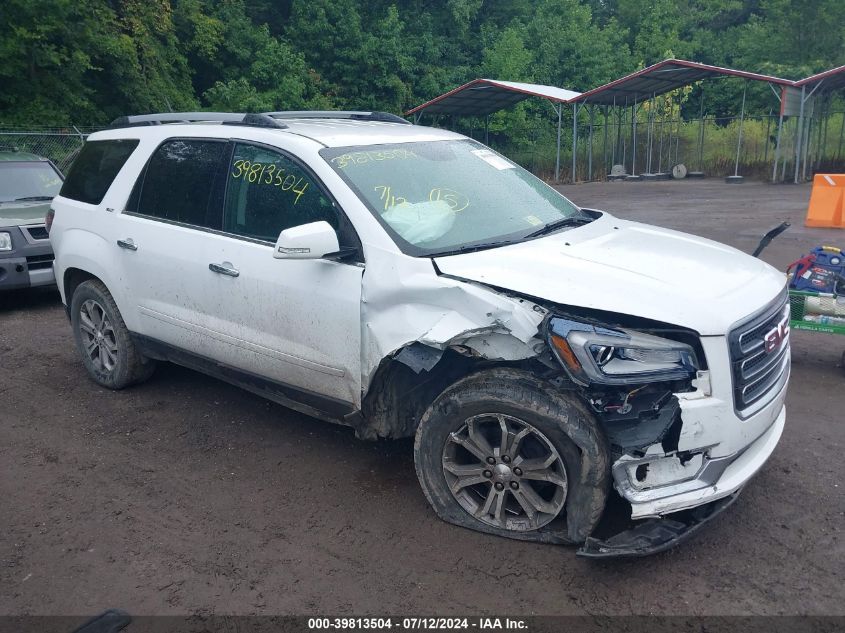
column 98, row 337
column 505, row 472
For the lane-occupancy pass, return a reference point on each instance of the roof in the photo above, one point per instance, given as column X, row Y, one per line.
column 663, row 77
column 13, row 155
column 342, row 133
column 327, row 132
column 480, row 97
column 829, row 80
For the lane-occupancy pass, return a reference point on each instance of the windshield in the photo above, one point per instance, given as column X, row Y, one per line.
column 28, row 180
column 438, row 197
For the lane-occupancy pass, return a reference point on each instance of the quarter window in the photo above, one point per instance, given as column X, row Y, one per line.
column 96, row 167
column 267, row 193
column 179, row 183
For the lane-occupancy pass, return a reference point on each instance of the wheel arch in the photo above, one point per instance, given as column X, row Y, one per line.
column 71, row 280
column 407, row 381
column 76, row 269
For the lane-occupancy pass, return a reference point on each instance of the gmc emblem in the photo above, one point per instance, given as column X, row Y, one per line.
column 775, row 337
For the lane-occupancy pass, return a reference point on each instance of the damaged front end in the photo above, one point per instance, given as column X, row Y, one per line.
column 660, row 395
column 634, row 380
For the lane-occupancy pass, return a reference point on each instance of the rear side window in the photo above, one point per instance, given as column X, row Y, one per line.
column 94, row 170
column 179, row 183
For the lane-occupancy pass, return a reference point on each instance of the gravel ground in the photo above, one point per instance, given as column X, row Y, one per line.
column 188, row 496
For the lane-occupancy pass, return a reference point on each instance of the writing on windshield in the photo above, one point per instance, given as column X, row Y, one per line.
column 441, row 196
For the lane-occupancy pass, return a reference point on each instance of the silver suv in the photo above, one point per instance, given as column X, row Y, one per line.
column 27, row 185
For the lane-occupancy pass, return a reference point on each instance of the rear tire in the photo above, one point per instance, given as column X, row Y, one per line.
column 550, row 481
column 103, row 341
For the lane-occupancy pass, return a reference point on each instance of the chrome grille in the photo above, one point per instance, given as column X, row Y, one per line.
column 756, row 371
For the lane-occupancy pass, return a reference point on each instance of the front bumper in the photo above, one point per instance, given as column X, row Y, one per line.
column 28, row 265
column 735, row 471
column 656, row 535
column 15, row 273
column 718, row 450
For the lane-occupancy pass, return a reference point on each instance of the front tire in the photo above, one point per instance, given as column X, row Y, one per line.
column 503, row 452
column 103, row 340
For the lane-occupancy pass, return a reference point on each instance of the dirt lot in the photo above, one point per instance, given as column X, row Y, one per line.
column 185, row 495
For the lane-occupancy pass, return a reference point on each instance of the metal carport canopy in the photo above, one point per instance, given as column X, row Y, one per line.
column 664, row 77
column 829, row 80
column 481, row 97
column 658, row 79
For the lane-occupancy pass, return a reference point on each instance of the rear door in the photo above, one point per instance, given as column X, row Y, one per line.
column 164, row 236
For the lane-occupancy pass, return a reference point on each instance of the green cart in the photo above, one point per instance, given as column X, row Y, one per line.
column 802, row 304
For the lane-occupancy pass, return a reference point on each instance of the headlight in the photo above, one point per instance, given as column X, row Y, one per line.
column 593, row 354
column 5, row 241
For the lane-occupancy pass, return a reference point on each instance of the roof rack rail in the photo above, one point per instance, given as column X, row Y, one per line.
column 226, row 118
column 356, row 115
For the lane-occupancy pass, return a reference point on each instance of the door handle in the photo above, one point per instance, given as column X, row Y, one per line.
column 224, row 269
column 128, row 244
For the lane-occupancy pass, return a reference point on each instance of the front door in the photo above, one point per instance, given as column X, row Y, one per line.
column 296, row 321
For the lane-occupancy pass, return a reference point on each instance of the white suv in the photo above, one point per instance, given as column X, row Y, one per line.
column 404, row 280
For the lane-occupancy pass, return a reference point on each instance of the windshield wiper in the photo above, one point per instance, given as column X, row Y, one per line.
column 573, row 220
column 33, row 198
column 471, row 248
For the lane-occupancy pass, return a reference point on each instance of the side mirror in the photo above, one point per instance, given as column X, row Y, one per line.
column 307, row 241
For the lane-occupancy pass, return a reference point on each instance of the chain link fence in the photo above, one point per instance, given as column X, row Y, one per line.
column 60, row 145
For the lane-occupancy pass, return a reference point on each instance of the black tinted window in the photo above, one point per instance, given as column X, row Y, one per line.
column 179, row 183
column 94, row 170
column 267, row 193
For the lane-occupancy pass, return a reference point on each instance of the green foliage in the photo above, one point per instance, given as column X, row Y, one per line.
column 87, row 61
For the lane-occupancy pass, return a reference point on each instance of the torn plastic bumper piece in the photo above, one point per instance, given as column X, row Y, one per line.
column 656, row 535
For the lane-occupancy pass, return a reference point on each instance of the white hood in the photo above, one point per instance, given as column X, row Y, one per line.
column 630, row 268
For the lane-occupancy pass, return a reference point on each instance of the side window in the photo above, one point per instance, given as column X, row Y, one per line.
column 96, row 167
column 179, row 183
column 267, row 193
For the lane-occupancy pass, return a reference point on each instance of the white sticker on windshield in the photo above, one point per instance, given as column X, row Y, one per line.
column 493, row 159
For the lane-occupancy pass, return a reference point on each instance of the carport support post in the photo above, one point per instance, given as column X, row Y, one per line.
column 617, row 145
column 590, row 146
column 660, row 144
column 826, row 127
column 807, row 139
column 557, row 160
column 649, row 133
column 634, row 137
column 604, row 144
column 487, row 132
column 841, row 130
column 701, row 132
column 821, row 143
column 777, row 146
column 624, row 146
column 574, row 139
column 669, row 139
column 783, row 164
column 768, row 129
column 678, row 133
column 798, row 130
column 739, row 135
